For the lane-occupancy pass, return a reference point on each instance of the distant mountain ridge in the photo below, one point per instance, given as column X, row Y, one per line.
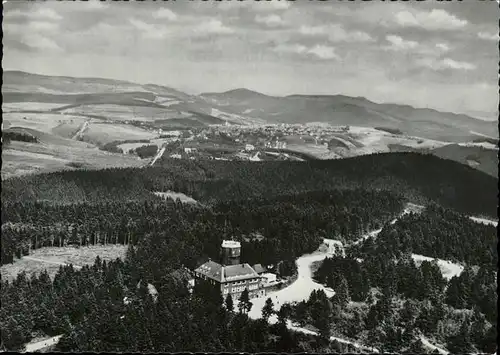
column 244, row 106
column 359, row 111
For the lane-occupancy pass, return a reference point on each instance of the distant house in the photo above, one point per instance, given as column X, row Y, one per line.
column 249, row 148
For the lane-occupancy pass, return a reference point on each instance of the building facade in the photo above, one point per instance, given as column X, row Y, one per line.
column 231, row 276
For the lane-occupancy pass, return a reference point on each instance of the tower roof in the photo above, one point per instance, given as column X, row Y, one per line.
column 231, row 244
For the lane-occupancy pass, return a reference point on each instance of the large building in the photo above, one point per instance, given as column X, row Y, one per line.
column 232, row 276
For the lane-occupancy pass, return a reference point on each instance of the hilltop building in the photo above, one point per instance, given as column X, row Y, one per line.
column 249, row 147
column 232, row 276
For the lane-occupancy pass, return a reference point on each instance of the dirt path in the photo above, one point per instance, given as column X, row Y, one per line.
column 300, row 290
column 433, row 347
column 157, row 156
column 372, row 234
column 484, row 220
column 78, row 135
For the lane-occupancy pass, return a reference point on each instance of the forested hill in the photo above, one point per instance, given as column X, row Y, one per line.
column 421, row 178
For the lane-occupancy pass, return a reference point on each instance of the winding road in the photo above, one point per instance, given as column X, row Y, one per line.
column 300, row 290
column 79, row 134
column 302, row 287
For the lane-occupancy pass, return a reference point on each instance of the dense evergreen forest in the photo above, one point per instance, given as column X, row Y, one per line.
column 145, row 151
column 291, row 225
column 421, row 178
column 460, row 313
column 168, row 235
column 8, row 136
column 89, row 307
column 438, row 233
column 279, row 211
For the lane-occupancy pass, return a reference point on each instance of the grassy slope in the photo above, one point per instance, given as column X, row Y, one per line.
column 482, row 159
column 344, row 110
column 67, row 255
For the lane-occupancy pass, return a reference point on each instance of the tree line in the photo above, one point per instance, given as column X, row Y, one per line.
column 440, row 233
column 421, row 178
column 8, row 136
column 383, row 298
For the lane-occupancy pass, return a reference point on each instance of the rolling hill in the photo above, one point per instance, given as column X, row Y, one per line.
column 356, row 111
column 77, row 118
column 476, row 156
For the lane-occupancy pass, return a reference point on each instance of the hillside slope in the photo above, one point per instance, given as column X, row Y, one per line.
column 420, row 178
column 105, row 113
column 356, row 111
column 478, row 157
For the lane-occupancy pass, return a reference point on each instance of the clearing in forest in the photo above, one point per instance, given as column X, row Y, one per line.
column 52, row 258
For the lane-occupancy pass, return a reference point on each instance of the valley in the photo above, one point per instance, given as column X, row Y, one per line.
column 111, row 188
column 249, row 177
column 94, row 123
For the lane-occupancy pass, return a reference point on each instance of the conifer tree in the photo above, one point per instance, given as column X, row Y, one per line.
column 268, row 309
column 342, row 296
column 244, row 304
column 229, row 303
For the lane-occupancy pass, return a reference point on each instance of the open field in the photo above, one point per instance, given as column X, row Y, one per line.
column 50, row 259
column 176, row 195
column 102, row 133
column 20, row 158
column 157, row 141
column 44, row 122
column 28, row 106
column 125, row 112
column 448, row 269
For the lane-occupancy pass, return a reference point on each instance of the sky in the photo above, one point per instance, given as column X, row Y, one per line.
column 435, row 54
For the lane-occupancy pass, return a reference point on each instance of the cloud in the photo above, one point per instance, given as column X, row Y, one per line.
column 257, row 6
column 443, row 47
column 400, row 44
column 269, row 20
column 319, row 51
column 31, row 26
column 437, row 19
column 445, row 64
column 38, row 41
column 291, row 48
column 149, row 30
column 164, row 13
column 39, row 13
column 488, row 36
column 336, row 33
column 213, row 27
column 323, row 52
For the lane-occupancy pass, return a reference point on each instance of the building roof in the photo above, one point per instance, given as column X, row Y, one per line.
column 240, row 271
column 222, row 273
column 259, row 269
column 212, row 270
